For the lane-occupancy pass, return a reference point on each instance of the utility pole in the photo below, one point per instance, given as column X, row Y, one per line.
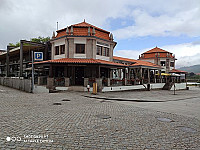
column 32, row 70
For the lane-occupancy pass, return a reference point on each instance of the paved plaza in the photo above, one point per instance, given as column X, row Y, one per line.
column 115, row 120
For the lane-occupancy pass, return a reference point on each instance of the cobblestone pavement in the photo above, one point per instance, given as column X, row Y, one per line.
column 31, row 121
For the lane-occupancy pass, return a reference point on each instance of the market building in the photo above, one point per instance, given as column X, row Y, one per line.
column 82, row 54
column 160, row 57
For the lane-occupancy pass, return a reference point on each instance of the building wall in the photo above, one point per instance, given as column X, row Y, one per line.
column 158, row 62
column 90, row 48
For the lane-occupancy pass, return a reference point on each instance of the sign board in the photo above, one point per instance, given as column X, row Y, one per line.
column 38, row 56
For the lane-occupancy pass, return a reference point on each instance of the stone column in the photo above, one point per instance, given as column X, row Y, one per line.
column 148, row 75
column 50, row 83
column 66, row 48
column 99, row 84
column 125, row 81
column 86, row 80
column 108, row 81
column 141, row 80
column 125, row 76
column 40, row 81
column 67, row 82
column 52, row 51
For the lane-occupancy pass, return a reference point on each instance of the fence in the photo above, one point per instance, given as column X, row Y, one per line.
column 17, row 83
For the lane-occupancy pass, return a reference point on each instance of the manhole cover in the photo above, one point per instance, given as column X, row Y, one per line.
column 66, row 100
column 164, row 119
column 186, row 129
column 102, row 116
column 57, row 104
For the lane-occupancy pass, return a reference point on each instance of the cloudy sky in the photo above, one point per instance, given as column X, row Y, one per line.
column 137, row 25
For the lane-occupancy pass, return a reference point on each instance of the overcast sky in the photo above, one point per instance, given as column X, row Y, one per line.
column 137, row 25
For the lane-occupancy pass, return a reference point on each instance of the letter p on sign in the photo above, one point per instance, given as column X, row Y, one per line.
column 38, row 56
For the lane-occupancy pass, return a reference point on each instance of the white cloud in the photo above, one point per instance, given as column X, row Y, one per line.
column 188, row 54
column 25, row 19
column 185, row 22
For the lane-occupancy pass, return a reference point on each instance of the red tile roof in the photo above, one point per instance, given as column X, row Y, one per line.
column 81, row 29
column 153, row 53
column 85, row 24
column 124, row 59
column 156, row 50
column 137, row 62
column 81, row 61
column 177, row 71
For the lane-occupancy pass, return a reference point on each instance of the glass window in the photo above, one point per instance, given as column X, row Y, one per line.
column 162, row 63
column 107, row 52
column 62, row 49
column 99, row 50
column 80, row 48
column 57, row 50
column 104, row 51
column 172, row 64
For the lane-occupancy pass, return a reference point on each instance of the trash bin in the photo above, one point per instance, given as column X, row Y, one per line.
column 148, row 87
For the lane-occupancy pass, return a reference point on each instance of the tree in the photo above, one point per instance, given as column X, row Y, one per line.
column 14, row 45
column 191, row 74
column 38, row 40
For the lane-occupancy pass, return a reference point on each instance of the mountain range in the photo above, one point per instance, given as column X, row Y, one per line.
column 194, row 68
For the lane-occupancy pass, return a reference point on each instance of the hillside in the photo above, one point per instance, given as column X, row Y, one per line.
column 195, row 69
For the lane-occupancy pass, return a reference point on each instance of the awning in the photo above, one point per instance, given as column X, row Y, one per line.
column 175, row 75
column 163, row 74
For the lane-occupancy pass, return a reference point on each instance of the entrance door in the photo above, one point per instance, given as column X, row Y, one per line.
column 79, row 75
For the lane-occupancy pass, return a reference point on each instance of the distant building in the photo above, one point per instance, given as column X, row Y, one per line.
column 160, row 57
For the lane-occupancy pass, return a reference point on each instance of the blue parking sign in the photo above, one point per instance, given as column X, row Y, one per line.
column 38, row 56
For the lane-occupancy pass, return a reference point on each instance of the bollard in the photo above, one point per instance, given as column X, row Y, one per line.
column 94, row 88
column 148, row 87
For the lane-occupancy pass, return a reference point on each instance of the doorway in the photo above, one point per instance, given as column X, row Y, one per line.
column 79, row 76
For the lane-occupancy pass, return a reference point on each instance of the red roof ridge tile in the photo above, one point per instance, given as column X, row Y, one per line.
column 137, row 62
column 156, row 50
column 177, row 71
column 124, row 59
column 83, row 24
column 80, row 60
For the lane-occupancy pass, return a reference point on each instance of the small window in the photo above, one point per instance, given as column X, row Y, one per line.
column 62, row 49
column 80, row 48
column 172, row 64
column 162, row 63
column 57, row 50
column 99, row 50
column 107, row 52
column 104, row 51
